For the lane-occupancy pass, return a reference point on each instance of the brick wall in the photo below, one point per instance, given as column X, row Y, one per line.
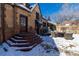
column 12, row 20
column 8, row 20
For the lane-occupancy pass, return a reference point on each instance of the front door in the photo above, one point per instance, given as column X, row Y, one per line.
column 23, row 23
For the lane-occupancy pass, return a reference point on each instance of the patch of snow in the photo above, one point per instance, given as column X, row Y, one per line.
column 39, row 51
column 18, row 37
column 52, row 22
column 68, row 47
column 15, row 43
column 62, row 54
column 49, row 41
column 24, row 47
column 33, row 7
column 17, row 40
column 47, row 48
column 22, row 6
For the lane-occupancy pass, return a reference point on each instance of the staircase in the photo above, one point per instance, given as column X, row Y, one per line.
column 24, row 42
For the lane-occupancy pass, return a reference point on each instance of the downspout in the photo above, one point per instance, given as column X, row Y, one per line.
column 3, row 21
column 14, row 18
column 40, row 16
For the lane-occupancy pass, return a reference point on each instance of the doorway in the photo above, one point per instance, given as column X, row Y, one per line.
column 23, row 23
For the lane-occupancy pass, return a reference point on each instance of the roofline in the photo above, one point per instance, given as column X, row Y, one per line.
column 40, row 9
column 44, row 18
column 22, row 7
column 30, row 10
column 38, row 6
column 51, row 23
column 33, row 7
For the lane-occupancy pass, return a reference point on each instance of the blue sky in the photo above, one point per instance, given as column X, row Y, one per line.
column 49, row 8
column 59, row 11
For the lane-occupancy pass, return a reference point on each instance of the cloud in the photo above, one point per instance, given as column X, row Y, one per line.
column 67, row 11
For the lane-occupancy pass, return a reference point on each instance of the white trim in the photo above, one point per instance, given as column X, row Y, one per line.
column 51, row 22
column 33, row 7
column 20, row 5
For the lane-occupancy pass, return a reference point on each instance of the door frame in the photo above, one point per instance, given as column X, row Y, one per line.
column 3, row 22
column 26, row 29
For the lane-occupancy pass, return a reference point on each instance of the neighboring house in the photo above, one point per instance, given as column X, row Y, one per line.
column 69, row 26
column 51, row 25
column 48, row 26
column 17, row 18
column 44, row 27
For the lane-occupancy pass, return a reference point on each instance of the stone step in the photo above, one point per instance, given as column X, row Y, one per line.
column 8, row 47
column 24, row 45
column 36, row 38
column 24, row 38
column 32, row 37
column 18, row 48
column 18, row 44
column 5, row 45
column 23, row 42
column 26, row 35
column 18, row 41
column 19, row 37
column 26, row 48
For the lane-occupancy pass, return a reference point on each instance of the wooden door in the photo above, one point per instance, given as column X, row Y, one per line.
column 23, row 23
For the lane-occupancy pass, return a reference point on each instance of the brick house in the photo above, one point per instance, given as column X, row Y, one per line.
column 17, row 18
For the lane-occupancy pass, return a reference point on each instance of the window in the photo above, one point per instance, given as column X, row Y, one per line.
column 37, row 15
column 23, row 20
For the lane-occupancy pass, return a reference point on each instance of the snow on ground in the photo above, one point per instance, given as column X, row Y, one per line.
column 51, row 46
column 46, row 48
column 68, row 47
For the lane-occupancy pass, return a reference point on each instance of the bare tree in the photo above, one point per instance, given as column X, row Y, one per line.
column 67, row 12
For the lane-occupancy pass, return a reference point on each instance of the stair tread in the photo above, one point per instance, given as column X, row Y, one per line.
column 18, row 37
column 23, row 42
column 12, row 43
column 19, row 40
column 7, row 46
column 25, row 47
